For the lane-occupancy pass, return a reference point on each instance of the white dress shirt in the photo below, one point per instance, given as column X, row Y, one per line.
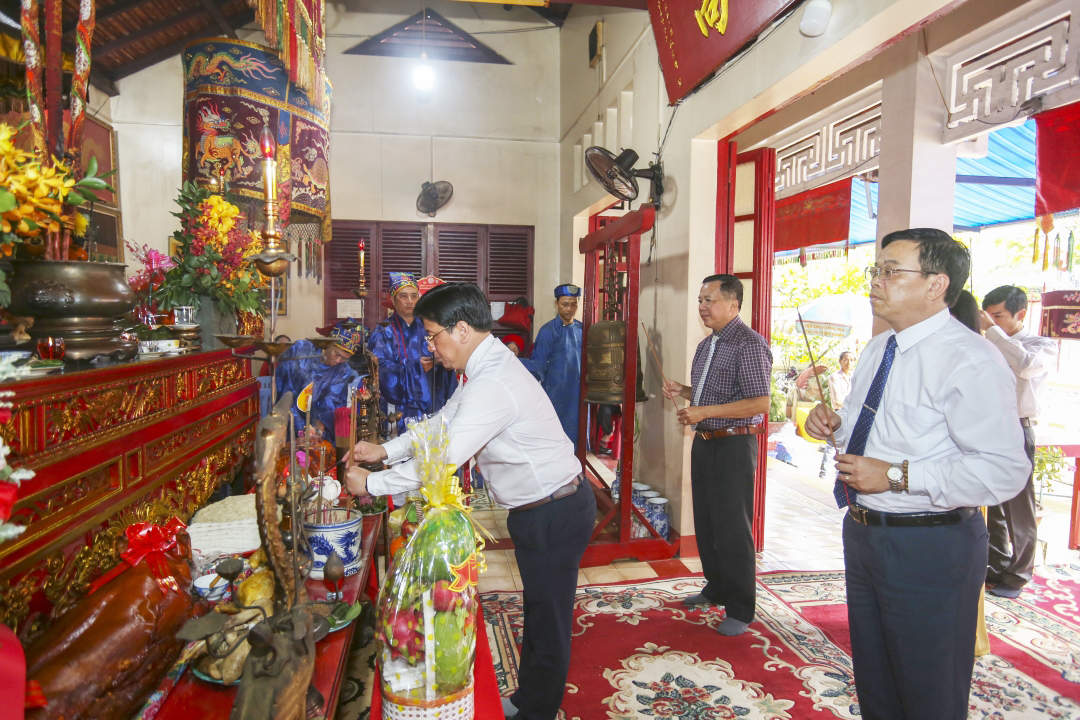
column 502, row 417
column 839, row 387
column 949, row 409
column 1031, row 357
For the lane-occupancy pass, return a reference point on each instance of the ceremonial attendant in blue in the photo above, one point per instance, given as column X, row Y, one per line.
column 501, row 416
column 327, row 371
column 729, row 396
column 556, row 358
column 931, row 434
column 408, row 379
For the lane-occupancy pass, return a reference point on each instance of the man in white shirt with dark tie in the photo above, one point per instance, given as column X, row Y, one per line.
column 930, row 435
column 1012, row 523
column 501, row 415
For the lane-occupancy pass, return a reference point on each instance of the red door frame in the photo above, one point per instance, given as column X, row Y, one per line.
column 764, row 218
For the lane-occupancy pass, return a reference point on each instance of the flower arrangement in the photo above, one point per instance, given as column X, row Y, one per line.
column 146, row 281
column 9, row 477
column 214, row 256
column 38, row 204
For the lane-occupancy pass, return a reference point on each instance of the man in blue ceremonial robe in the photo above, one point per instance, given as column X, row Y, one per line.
column 327, row 371
column 408, row 379
column 556, row 359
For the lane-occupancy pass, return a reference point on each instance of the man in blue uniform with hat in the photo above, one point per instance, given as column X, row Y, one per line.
column 408, row 379
column 556, row 358
column 326, row 371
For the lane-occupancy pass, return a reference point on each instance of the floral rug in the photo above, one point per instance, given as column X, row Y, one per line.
column 638, row 653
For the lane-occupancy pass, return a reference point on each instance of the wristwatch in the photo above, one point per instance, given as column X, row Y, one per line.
column 897, row 475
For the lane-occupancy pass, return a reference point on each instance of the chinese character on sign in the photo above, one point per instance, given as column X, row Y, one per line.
column 713, row 14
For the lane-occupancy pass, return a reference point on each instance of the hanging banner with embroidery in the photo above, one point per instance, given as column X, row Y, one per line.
column 695, row 38
column 297, row 30
column 232, row 89
column 814, row 217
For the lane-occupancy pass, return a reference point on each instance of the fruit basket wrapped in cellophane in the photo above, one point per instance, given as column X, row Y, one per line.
column 428, row 604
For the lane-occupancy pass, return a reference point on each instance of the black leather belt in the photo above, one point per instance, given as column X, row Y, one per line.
column 730, row 431
column 866, row 516
column 568, row 489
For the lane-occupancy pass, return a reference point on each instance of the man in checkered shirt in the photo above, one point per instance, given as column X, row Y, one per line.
column 729, row 398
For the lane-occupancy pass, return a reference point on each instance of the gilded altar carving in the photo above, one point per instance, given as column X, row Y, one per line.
column 64, row 580
column 85, row 414
column 95, row 484
column 162, row 450
column 77, row 420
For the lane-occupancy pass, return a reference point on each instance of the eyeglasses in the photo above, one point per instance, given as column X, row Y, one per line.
column 431, row 338
column 887, row 273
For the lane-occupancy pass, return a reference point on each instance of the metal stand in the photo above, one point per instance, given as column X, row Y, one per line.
column 617, row 247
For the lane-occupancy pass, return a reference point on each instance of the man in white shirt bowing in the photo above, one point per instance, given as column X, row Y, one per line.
column 501, row 415
column 931, row 434
column 1011, row 525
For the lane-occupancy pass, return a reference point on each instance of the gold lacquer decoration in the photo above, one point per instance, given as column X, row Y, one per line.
column 713, row 14
column 63, row 579
column 86, row 414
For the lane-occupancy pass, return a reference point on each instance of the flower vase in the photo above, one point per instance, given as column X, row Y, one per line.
column 249, row 323
column 214, row 322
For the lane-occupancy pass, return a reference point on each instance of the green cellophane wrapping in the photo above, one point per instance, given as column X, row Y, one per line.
column 427, row 607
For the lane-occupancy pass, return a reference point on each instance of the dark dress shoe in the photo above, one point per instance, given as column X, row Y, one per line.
column 697, row 600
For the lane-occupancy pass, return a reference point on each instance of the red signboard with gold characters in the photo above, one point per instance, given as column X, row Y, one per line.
column 694, row 37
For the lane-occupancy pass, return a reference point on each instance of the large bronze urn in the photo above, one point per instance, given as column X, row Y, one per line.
column 82, row 302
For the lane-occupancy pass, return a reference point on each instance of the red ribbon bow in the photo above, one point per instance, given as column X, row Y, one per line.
column 149, row 542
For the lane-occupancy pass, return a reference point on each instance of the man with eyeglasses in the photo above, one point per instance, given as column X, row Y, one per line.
column 931, row 434
column 501, row 415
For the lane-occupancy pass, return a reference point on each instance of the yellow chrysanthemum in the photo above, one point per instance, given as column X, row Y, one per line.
column 81, row 223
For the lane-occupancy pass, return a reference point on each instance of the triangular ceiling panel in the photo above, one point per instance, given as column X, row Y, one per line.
column 429, row 32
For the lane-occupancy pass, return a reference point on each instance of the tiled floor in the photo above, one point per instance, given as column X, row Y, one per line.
column 802, row 532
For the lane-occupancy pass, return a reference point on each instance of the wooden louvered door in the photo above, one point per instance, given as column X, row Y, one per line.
column 459, row 253
column 498, row 258
column 341, row 268
column 401, row 248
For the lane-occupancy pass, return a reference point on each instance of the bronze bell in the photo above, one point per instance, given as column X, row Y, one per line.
column 605, row 363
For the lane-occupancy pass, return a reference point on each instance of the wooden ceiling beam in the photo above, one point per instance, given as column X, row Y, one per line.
column 175, row 48
column 108, row 13
column 222, row 23
column 145, row 32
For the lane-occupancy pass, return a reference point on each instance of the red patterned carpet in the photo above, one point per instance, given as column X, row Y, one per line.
column 638, row 653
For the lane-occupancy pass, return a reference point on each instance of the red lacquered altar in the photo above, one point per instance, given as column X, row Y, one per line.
column 194, row 698
column 110, row 446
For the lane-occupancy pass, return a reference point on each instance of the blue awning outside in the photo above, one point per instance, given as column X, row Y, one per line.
column 977, row 205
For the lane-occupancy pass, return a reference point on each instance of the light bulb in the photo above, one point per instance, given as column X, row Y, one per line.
column 423, row 76
column 815, row 18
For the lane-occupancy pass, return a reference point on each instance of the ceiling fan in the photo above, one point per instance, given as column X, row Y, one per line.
column 617, row 175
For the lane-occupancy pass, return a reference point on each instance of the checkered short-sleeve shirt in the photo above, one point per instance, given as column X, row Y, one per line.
column 740, row 368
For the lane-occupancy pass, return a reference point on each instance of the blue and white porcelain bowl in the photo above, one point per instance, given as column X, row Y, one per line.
column 336, row 529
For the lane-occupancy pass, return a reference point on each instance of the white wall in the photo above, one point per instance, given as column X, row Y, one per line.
column 491, row 130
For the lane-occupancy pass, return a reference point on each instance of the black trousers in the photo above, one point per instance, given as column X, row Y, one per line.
column 549, row 541
column 722, row 481
column 913, row 602
column 1013, row 536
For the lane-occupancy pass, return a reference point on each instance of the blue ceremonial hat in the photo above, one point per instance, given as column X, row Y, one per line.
column 348, row 335
column 567, row 290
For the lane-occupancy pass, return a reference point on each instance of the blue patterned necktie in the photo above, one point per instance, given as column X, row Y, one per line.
column 844, row 493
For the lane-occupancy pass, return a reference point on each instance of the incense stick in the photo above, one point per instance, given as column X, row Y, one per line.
column 657, row 359
column 817, row 378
